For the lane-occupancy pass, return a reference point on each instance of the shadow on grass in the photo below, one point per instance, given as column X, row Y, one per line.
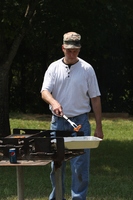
column 111, row 175
column 112, row 171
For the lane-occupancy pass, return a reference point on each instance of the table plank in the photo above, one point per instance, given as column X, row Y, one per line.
column 25, row 163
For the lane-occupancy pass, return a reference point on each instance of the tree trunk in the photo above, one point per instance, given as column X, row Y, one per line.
column 4, row 91
column 4, row 110
column 5, row 68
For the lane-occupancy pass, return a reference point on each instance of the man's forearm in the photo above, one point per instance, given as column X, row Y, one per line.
column 56, row 107
column 47, row 97
column 96, row 105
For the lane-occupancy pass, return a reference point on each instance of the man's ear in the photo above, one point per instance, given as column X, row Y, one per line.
column 63, row 48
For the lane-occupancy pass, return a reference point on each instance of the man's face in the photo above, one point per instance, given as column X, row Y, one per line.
column 71, row 54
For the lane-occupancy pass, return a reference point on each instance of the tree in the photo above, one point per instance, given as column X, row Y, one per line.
column 21, row 15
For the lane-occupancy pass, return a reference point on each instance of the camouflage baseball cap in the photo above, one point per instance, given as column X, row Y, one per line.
column 71, row 40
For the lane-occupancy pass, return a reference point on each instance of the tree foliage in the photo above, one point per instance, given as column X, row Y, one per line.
column 9, row 46
column 107, row 44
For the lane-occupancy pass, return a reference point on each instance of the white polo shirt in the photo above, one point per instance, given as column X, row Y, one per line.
column 73, row 87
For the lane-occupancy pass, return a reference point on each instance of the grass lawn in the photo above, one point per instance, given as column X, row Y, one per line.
column 111, row 171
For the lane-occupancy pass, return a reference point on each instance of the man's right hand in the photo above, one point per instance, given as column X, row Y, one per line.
column 57, row 109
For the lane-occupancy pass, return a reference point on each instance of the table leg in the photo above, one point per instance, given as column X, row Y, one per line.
column 58, row 183
column 20, row 183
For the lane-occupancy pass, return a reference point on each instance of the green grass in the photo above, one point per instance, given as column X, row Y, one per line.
column 111, row 171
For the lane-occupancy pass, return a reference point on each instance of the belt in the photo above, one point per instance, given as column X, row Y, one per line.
column 73, row 116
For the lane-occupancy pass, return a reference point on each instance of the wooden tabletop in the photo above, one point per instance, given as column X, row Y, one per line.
column 25, row 163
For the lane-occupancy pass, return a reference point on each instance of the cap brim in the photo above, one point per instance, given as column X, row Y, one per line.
column 70, row 46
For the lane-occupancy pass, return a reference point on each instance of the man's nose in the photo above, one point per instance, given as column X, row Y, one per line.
column 72, row 54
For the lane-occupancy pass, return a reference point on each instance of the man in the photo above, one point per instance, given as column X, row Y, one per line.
column 69, row 85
